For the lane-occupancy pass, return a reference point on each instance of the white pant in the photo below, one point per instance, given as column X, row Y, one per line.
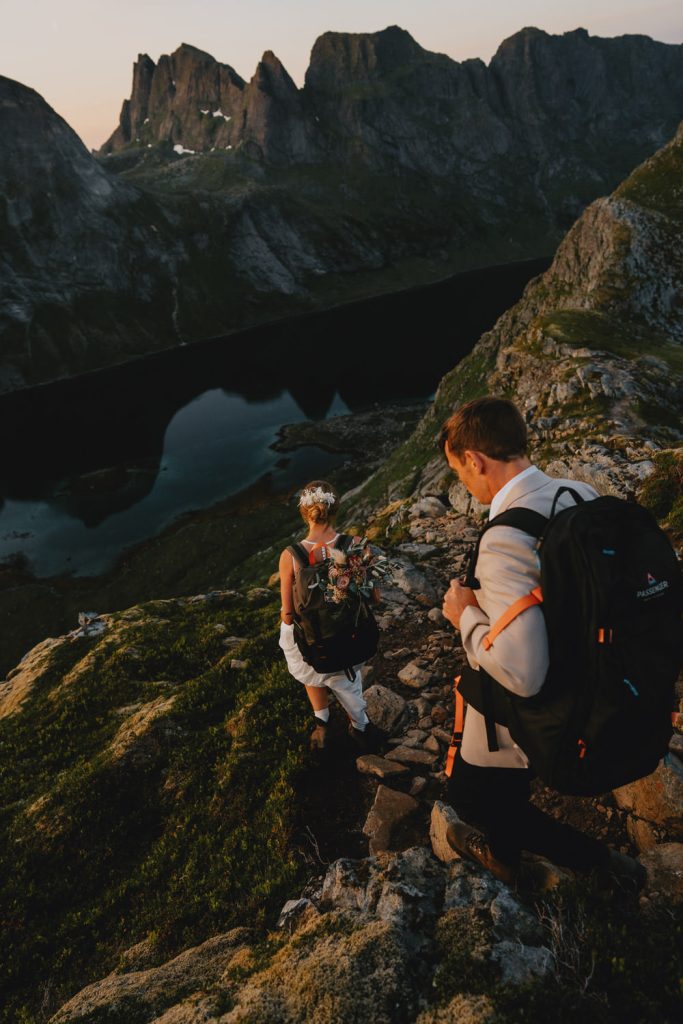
column 348, row 692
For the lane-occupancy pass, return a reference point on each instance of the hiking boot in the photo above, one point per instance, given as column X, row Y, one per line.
column 367, row 740
column 471, row 843
column 318, row 738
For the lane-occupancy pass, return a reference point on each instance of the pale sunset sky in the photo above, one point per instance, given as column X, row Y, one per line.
column 79, row 54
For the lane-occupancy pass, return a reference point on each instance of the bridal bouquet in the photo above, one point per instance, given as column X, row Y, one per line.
column 357, row 570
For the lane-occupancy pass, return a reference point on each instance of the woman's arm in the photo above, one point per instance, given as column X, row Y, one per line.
column 286, row 588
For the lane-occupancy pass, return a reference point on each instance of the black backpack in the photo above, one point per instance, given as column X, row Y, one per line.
column 331, row 637
column 611, row 594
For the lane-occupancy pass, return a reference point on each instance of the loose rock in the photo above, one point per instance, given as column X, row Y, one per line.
column 389, row 808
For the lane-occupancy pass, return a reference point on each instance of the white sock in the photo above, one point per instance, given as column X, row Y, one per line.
column 323, row 714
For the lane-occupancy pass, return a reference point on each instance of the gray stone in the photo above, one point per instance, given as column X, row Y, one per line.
column 443, row 815
column 407, row 755
column 511, row 920
column 388, row 810
column 435, row 615
column 428, row 507
column 664, row 866
column 462, row 501
column 292, row 913
column 442, row 734
column 412, row 675
column 384, row 707
column 417, row 550
column 417, row 785
column 414, row 583
column 418, row 734
column 520, row 964
column 373, row 764
column 422, row 706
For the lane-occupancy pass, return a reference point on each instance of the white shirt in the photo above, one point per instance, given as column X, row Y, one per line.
column 500, row 495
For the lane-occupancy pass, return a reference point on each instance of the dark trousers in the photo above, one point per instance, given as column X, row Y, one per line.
column 497, row 800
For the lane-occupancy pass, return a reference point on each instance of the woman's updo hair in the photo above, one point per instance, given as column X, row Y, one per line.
column 318, row 502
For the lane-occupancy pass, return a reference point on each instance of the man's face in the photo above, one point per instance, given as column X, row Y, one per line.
column 468, row 474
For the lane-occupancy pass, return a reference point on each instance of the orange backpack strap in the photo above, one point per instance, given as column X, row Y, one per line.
column 534, row 597
column 458, row 722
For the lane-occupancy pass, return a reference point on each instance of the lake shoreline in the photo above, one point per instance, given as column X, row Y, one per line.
column 200, row 550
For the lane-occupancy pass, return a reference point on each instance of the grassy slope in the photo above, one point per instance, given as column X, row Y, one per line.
column 190, row 835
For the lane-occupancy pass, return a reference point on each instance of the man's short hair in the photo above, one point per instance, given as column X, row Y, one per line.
column 494, row 426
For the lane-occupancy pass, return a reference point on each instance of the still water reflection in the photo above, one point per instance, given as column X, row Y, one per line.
column 93, row 465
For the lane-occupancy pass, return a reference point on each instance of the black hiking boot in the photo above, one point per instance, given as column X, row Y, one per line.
column 469, row 842
column 367, row 740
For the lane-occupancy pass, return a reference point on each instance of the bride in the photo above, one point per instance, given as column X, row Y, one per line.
column 318, row 503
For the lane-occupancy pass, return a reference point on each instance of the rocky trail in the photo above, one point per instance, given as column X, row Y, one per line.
column 409, row 691
column 390, row 918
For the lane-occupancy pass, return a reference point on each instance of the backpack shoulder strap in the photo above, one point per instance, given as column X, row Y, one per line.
column 521, row 519
column 524, row 519
column 299, row 553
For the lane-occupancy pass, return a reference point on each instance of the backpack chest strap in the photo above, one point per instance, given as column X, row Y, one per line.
column 534, row 597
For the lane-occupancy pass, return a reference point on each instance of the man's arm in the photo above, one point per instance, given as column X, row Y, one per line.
column 507, row 569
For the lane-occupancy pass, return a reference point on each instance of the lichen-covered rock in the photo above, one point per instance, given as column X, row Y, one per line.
column 429, row 507
column 462, row 1009
column 656, row 800
column 122, row 996
column 520, row 964
column 664, row 866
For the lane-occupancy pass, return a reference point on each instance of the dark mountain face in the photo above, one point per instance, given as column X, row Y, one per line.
column 219, row 203
column 568, row 115
column 72, row 235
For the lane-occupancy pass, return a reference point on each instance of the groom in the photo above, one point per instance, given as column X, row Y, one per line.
column 485, row 444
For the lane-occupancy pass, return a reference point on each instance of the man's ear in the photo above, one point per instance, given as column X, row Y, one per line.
column 475, row 461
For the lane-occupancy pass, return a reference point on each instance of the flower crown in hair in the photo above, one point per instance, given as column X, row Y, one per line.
column 315, row 496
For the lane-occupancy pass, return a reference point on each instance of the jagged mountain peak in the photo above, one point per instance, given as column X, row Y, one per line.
column 347, row 56
column 187, row 49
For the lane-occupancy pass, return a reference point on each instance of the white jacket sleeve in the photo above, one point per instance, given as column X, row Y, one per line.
column 507, row 569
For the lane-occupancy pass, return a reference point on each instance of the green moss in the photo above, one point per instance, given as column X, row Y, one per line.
column 463, row 943
column 656, row 184
column 190, row 837
column 662, row 492
column 590, row 329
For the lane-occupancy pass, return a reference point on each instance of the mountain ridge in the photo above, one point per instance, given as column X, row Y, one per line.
column 229, row 202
